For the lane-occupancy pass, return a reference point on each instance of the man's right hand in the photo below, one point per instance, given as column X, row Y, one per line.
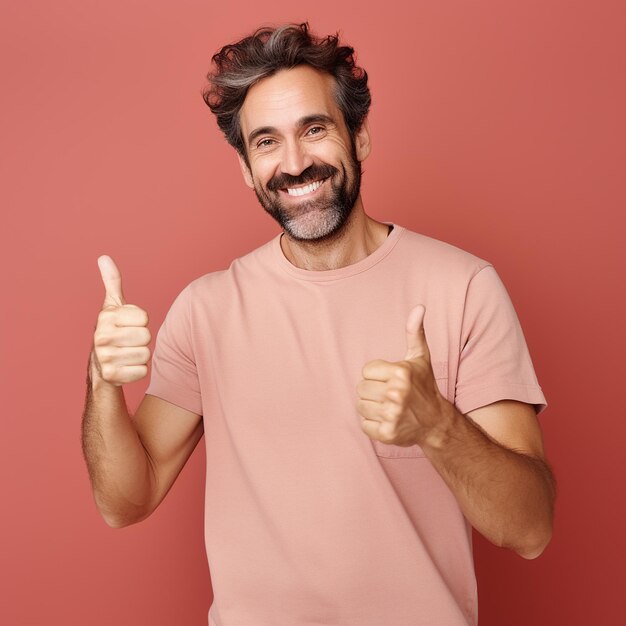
column 132, row 461
column 120, row 353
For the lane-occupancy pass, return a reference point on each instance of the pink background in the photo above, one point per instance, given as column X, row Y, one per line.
column 497, row 126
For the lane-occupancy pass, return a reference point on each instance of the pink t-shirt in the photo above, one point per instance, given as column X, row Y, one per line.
column 308, row 521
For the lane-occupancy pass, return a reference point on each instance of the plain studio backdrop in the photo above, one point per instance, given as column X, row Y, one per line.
column 497, row 126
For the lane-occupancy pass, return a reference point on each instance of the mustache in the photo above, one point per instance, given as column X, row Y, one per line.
column 311, row 173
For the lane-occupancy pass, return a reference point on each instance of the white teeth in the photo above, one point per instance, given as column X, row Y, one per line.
column 300, row 191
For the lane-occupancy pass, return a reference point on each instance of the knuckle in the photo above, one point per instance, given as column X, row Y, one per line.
column 403, row 368
column 106, row 316
column 140, row 372
column 103, row 354
column 108, row 372
column 387, row 434
column 143, row 336
column 144, row 355
column 403, row 385
column 370, row 366
column 392, row 411
column 133, row 373
column 395, row 395
column 138, row 337
column 402, row 374
column 104, row 337
column 101, row 322
column 139, row 314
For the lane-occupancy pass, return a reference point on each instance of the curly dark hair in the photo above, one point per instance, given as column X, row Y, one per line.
column 240, row 65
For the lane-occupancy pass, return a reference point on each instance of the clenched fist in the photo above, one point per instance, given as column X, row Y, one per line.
column 120, row 344
column 400, row 402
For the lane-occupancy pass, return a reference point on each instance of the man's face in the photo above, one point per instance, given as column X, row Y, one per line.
column 304, row 167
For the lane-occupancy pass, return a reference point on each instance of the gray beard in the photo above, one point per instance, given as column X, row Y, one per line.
column 326, row 217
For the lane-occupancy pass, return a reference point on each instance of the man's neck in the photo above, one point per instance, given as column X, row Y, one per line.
column 360, row 237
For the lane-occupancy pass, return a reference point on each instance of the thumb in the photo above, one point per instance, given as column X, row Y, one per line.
column 112, row 280
column 416, row 346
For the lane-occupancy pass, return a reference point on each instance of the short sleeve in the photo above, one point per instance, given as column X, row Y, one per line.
column 174, row 376
column 494, row 362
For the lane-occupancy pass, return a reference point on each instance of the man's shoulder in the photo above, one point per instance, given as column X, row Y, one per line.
column 246, row 267
column 435, row 254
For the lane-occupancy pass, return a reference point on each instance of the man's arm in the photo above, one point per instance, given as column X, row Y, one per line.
column 132, row 462
column 492, row 459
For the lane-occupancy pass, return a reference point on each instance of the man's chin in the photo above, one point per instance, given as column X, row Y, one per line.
column 313, row 226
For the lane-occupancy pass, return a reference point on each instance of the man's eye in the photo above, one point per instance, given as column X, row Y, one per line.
column 264, row 143
column 316, row 130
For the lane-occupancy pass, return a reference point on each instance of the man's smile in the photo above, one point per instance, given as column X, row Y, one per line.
column 304, row 190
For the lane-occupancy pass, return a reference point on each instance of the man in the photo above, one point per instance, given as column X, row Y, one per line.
column 365, row 392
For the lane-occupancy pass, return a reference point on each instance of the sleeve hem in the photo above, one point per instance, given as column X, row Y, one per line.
column 175, row 396
column 488, row 394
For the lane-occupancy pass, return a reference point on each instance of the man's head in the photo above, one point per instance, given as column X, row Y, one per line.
column 294, row 108
column 240, row 65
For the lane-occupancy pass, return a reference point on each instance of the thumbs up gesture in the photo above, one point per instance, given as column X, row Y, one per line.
column 400, row 402
column 120, row 353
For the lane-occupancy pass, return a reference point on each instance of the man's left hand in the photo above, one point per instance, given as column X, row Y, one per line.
column 400, row 402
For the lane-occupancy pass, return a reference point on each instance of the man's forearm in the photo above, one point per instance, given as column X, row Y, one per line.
column 507, row 496
column 119, row 467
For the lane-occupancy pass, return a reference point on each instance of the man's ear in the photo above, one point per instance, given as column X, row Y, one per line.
column 245, row 170
column 362, row 141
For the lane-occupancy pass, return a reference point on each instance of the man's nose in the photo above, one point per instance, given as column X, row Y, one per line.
column 295, row 158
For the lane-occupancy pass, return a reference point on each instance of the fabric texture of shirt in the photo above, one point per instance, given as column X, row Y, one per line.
column 307, row 520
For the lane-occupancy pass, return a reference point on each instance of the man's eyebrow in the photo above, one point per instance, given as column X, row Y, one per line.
column 263, row 130
column 320, row 118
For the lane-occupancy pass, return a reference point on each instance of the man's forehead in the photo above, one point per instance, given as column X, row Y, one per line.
column 281, row 100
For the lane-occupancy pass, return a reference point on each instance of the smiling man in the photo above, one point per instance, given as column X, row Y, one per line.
column 308, row 181
column 365, row 392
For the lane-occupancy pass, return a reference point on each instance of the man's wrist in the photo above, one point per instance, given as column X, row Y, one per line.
column 440, row 435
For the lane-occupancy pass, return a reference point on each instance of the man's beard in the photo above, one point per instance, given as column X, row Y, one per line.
column 332, row 211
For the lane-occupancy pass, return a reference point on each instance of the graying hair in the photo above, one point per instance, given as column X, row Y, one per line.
column 240, row 65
